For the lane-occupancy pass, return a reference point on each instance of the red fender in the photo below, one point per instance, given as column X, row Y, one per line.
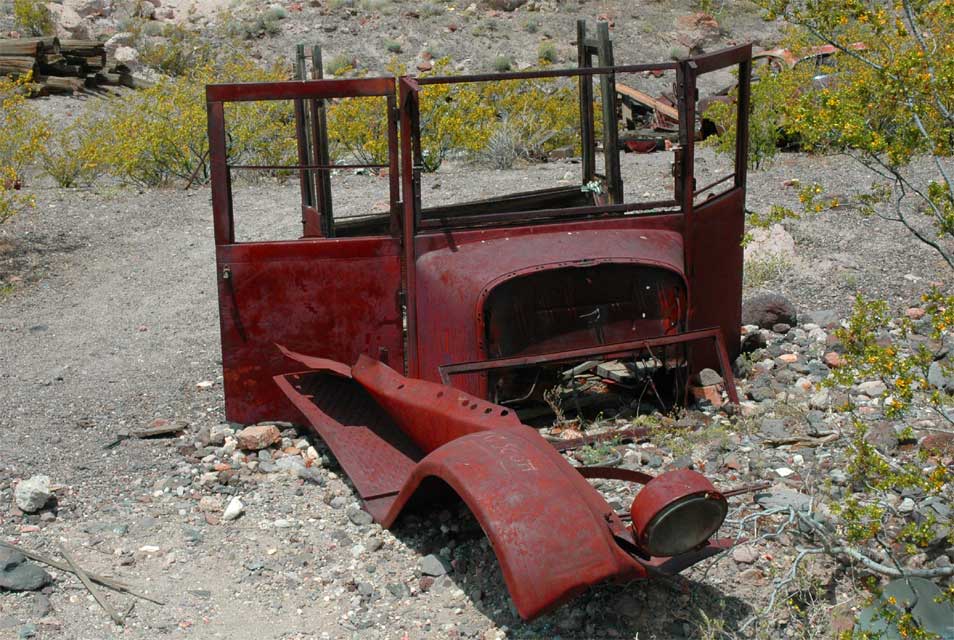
column 549, row 528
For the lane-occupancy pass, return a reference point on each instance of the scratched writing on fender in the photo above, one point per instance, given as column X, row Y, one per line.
column 511, row 457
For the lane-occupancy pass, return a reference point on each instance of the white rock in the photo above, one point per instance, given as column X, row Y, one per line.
column 784, row 472
column 820, row 399
column 906, row 506
column 872, row 388
column 204, row 384
column 129, row 57
column 234, row 510
column 69, row 24
column 87, row 8
column 123, row 38
column 33, row 494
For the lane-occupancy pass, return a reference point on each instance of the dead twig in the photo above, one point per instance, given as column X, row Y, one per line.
column 84, row 578
column 109, row 583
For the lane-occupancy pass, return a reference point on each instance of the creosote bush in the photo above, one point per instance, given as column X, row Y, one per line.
column 159, row 134
column 34, row 17
column 23, row 133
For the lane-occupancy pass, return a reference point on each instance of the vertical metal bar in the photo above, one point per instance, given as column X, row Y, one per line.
column 394, row 171
column 686, row 92
column 583, row 59
column 319, row 121
column 407, row 93
column 610, row 124
column 308, row 223
column 742, row 122
column 221, row 183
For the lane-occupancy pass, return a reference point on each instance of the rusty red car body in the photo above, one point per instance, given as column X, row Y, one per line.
column 481, row 291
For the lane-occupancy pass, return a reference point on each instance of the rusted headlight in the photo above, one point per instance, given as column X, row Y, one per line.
column 677, row 512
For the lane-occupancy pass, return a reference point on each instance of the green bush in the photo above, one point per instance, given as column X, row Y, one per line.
column 547, row 52
column 23, row 132
column 159, row 135
column 34, row 17
column 502, row 63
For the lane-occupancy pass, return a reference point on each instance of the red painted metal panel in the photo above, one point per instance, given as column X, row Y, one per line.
column 715, row 279
column 453, row 281
column 335, row 298
column 292, row 90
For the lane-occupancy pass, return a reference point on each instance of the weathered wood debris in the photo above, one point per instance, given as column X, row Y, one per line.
column 63, row 66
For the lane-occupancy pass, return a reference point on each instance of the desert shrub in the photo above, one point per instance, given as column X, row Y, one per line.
column 23, row 132
column 34, row 17
column 771, row 96
column 502, row 63
column 339, row 65
column 71, row 154
column 177, row 52
column 159, row 134
column 541, row 115
column 547, row 53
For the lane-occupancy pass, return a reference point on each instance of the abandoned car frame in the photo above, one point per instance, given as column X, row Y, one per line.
column 420, row 321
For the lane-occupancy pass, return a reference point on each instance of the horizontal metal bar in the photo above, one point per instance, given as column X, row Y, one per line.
column 546, row 73
column 722, row 58
column 517, row 216
column 309, row 166
column 713, row 184
column 618, row 348
column 300, row 89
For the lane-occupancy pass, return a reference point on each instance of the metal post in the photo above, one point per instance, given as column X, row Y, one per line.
column 583, row 60
column 309, row 222
column 319, row 124
column 610, row 126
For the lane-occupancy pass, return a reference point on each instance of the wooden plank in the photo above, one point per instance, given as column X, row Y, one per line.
column 644, row 98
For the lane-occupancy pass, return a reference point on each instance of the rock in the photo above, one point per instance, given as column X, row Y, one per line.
column 771, row 244
column 823, row 318
column 258, row 437
column 781, row 327
column 708, row 377
column 872, row 388
column 915, row 313
column 784, row 472
column 820, row 400
column 434, row 565
column 745, row 554
column 359, row 517
column 788, row 358
column 907, row 506
column 939, row 378
column 782, row 497
column 87, row 8
column 774, row 428
column 940, row 442
column 121, row 39
column 16, row 574
column 838, row 476
column 832, row 359
column 711, row 394
column 504, row 5
column 768, row 309
column 210, row 504
column 753, row 342
column 33, row 494
column 883, row 437
column 129, row 57
column 69, row 24
column 27, row 631
column 40, row 606
column 234, row 510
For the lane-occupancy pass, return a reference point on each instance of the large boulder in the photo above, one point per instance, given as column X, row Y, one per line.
column 767, row 310
column 69, row 24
